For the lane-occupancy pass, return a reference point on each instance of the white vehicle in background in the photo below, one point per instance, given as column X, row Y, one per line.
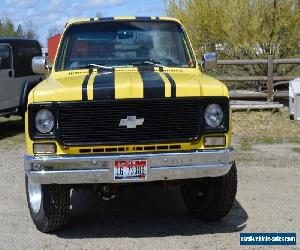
column 294, row 99
column 16, row 76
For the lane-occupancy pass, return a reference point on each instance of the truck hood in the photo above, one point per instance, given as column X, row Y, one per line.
column 126, row 83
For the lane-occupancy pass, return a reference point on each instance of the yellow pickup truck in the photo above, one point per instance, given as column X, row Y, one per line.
column 127, row 103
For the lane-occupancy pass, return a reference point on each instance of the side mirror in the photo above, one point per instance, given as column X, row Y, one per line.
column 39, row 65
column 209, row 61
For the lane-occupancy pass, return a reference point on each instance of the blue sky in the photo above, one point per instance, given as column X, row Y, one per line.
column 44, row 14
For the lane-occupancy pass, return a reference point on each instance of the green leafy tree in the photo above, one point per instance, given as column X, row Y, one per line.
column 7, row 28
column 240, row 29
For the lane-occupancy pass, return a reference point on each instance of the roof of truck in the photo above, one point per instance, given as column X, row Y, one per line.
column 15, row 41
column 121, row 18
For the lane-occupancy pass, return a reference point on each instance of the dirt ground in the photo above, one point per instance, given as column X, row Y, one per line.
column 268, row 200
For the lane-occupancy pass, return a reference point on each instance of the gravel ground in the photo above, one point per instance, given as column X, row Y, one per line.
column 153, row 218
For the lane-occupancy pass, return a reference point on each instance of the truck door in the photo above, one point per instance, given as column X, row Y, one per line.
column 6, row 76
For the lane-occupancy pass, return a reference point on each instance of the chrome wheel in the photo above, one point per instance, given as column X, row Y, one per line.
column 35, row 196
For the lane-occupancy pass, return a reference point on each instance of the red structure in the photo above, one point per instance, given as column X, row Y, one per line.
column 52, row 47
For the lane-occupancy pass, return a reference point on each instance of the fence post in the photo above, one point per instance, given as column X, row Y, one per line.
column 270, row 78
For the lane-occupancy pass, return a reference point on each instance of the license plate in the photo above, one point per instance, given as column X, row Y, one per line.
column 130, row 170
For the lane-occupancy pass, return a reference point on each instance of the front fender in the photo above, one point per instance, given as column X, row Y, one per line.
column 28, row 86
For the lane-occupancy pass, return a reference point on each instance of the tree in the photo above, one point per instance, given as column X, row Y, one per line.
column 7, row 28
column 99, row 15
column 241, row 28
column 53, row 30
column 20, row 30
column 29, row 31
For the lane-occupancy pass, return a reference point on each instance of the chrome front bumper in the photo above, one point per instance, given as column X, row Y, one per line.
column 80, row 169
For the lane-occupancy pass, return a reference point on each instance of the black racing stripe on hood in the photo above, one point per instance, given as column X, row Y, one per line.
column 173, row 85
column 154, row 86
column 104, row 86
column 84, row 87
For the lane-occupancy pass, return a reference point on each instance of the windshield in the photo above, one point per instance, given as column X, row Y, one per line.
column 126, row 43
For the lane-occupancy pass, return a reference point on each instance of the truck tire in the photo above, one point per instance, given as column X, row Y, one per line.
column 210, row 199
column 49, row 205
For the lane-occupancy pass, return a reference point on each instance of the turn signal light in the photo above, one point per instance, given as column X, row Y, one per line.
column 44, row 148
column 214, row 141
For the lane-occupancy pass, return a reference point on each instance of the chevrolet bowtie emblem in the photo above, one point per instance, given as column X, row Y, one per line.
column 131, row 122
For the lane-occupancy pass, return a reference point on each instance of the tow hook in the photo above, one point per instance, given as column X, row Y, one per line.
column 107, row 192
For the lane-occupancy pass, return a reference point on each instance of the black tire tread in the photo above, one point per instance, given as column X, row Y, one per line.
column 223, row 192
column 55, row 208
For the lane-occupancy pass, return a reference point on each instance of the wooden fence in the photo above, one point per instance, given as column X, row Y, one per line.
column 270, row 78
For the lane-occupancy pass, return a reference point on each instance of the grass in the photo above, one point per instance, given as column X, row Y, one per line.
column 245, row 144
column 11, row 133
column 264, row 127
column 296, row 150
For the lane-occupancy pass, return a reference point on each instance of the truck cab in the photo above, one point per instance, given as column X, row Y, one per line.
column 126, row 103
column 16, row 75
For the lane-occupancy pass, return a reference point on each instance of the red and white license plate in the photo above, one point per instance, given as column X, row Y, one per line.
column 130, row 170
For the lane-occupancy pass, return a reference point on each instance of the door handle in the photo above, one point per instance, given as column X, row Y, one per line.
column 10, row 73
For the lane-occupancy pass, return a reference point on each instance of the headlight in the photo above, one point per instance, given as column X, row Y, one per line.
column 44, row 121
column 213, row 115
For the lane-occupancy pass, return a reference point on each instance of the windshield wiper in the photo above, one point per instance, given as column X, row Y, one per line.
column 94, row 66
column 150, row 62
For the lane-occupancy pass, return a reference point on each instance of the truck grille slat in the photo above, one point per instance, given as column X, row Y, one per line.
column 97, row 123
